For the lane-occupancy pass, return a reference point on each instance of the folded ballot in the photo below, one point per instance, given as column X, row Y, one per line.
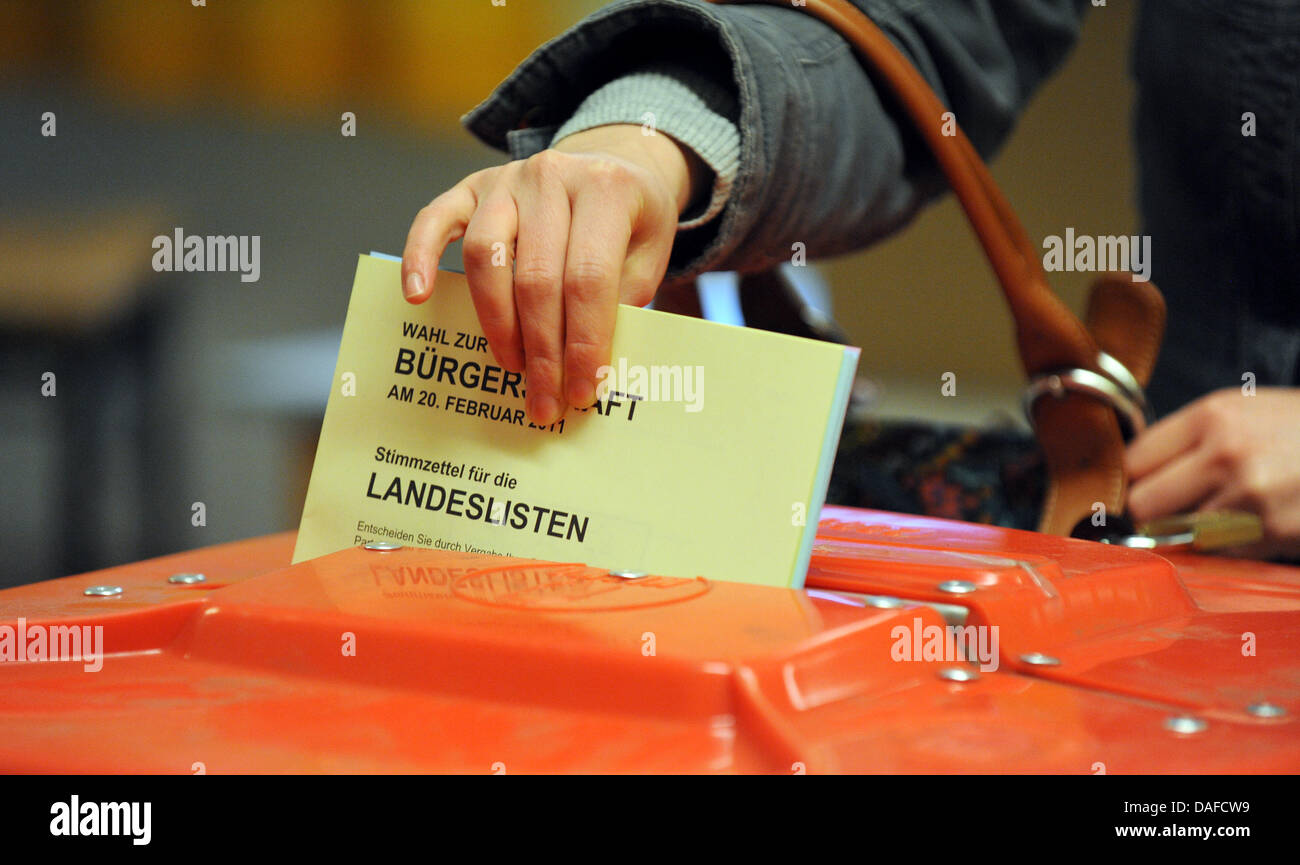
column 707, row 452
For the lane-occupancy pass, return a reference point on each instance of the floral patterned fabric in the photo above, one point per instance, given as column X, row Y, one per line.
column 982, row 476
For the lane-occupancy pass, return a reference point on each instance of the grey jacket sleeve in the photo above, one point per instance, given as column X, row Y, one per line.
column 823, row 160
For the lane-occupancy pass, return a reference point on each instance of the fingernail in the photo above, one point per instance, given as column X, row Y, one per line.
column 414, row 285
column 545, row 410
column 582, row 393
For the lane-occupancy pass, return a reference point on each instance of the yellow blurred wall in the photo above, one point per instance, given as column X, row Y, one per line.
column 421, row 62
column 920, row 304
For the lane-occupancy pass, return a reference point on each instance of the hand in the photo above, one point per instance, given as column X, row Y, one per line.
column 1226, row 450
column 586, row 225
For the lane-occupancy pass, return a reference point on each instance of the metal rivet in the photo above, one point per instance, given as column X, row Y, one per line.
column 1266, row 710
column 628, row 575
column 1185, row 724
column 103, row 591
column 187, row 579
column 1038, row 659
column 958, row 674
column 884, row 602
column 957, row 587
column 382, row 546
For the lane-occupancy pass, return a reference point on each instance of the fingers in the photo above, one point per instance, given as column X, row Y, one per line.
column 1175, row 487
column 647, row 260
column 1164, row 441
column 543, row 205
column 1178, row 463
column 598, row 242
column 488, row 249
column 439, row 223
column 586, row 232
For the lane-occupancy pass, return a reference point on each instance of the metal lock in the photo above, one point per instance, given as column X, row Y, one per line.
column 1205, row 531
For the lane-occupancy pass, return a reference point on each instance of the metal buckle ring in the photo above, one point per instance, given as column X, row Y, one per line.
column 1122, row 376
column 1133, row 415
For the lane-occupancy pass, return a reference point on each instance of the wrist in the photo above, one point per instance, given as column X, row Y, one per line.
column 683, row 172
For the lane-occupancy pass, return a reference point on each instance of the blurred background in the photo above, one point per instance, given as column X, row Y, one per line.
column 129, row 397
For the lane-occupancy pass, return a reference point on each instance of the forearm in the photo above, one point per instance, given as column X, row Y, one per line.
column 679, row 168
column 822, row 159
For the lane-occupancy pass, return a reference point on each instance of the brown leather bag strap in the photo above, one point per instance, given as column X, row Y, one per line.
column 1078, row 431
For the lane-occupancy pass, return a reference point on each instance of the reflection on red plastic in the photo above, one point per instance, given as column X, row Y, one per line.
column 459, row 662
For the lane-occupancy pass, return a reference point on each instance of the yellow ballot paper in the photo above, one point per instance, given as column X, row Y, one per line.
column 708, row 453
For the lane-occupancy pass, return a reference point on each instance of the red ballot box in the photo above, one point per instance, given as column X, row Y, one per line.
column 918, row 645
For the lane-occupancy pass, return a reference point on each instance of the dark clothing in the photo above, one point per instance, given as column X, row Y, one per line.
column 1220, row 205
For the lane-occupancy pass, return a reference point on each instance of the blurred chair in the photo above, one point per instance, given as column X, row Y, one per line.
column 79, row 300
